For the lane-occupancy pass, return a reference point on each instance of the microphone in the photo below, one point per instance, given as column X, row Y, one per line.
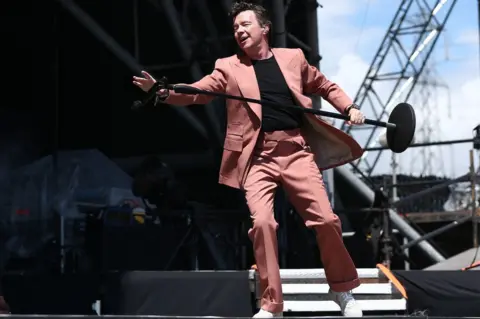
column 150, row 95
column 163, row 84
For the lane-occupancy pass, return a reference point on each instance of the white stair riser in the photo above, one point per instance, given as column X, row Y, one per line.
column 364, row 289
column 319, row 273
column 330, row 306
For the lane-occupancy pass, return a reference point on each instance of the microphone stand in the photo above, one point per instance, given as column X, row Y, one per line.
column 186, row 89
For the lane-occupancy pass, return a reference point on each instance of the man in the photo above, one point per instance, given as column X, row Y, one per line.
column 4, row 308
column 268, row 146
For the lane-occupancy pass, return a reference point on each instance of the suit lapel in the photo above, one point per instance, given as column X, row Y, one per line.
column 287, row 64
column 247, row 83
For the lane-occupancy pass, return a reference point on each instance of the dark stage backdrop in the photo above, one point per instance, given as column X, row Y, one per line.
column 224, row 294
column 442, row 293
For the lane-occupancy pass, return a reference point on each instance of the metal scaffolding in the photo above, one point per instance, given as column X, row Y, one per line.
column 131, row 60
column 429, row 160
column 397, row 66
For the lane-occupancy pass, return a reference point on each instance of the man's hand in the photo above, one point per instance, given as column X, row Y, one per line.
column 145, row 83
column 356, row 117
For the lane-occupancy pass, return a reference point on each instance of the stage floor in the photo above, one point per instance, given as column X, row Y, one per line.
column 232, row 294
column 192, row 317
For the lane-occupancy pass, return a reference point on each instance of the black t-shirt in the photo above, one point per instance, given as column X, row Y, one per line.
column 274, row 88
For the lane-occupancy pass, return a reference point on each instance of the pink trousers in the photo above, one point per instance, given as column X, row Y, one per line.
column 283, row 158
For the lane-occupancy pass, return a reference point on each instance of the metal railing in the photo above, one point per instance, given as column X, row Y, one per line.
column 472, row 177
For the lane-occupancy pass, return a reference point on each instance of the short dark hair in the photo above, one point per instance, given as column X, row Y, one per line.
column 260, row 12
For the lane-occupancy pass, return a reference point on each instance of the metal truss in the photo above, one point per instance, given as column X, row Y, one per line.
column 397, row 66
column 172, row 15
column 131, row 61
column 428, row 160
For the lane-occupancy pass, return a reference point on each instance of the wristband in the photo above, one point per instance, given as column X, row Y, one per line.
column 350, row 107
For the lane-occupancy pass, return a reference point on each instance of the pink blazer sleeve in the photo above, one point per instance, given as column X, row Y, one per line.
column 315, row 83
column 214, row 82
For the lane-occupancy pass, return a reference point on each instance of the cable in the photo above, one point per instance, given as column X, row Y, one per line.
column 475, row 257
column 362, row 25
column 478, row 10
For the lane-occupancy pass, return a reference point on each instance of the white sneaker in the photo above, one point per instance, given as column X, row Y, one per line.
column 348, row 305
column 267, row 314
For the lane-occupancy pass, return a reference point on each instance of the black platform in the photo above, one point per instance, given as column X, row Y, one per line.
column 442, row 293
column 168, row 293
column 182, row 293
column 192, row 317
column 177, row 294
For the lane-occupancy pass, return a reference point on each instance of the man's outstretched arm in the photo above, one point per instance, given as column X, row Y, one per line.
column 214, row 82
column 315, row 83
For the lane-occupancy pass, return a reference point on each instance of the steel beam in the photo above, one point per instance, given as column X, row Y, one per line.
column 170, row 66
column 136, row 30
column 310, row 50
column 314, row 59
column 122, row 54
column 314, row 55
column 311, row 47
column 396, row 46
column 172, row 17
column 211, row 28
column 368, row 196
column 313, row 41
column 278, row 21
column 227, row 4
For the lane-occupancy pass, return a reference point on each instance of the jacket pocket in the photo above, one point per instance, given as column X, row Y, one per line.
column 234, row 137
column 235, row 129
column 233, row 143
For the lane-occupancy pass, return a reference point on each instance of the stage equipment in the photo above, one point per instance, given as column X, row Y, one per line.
column 400, row 126
column 166, row 199
column 156, row 182
column 379, row 230
column 476, row 138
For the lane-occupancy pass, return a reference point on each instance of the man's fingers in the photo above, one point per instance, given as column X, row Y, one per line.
column 357, row 119
column 136, row 78
column 147, row 75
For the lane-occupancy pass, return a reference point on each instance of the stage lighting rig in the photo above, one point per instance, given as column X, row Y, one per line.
column 476, row 137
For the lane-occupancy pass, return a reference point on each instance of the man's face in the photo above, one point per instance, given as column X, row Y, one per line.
column 248, row 31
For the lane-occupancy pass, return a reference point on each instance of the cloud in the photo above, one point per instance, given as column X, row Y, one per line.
column 350, row 33
column 347, row 69
column 340, row 8
column 468, row 37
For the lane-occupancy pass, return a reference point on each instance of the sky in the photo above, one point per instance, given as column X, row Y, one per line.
column 350, row 33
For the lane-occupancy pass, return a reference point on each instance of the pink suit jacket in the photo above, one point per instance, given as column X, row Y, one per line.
column 235, row 75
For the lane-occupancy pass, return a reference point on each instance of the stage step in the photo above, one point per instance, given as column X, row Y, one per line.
column 306, row 290
column 303, row 289
column 394, row 305
column 319, row 273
